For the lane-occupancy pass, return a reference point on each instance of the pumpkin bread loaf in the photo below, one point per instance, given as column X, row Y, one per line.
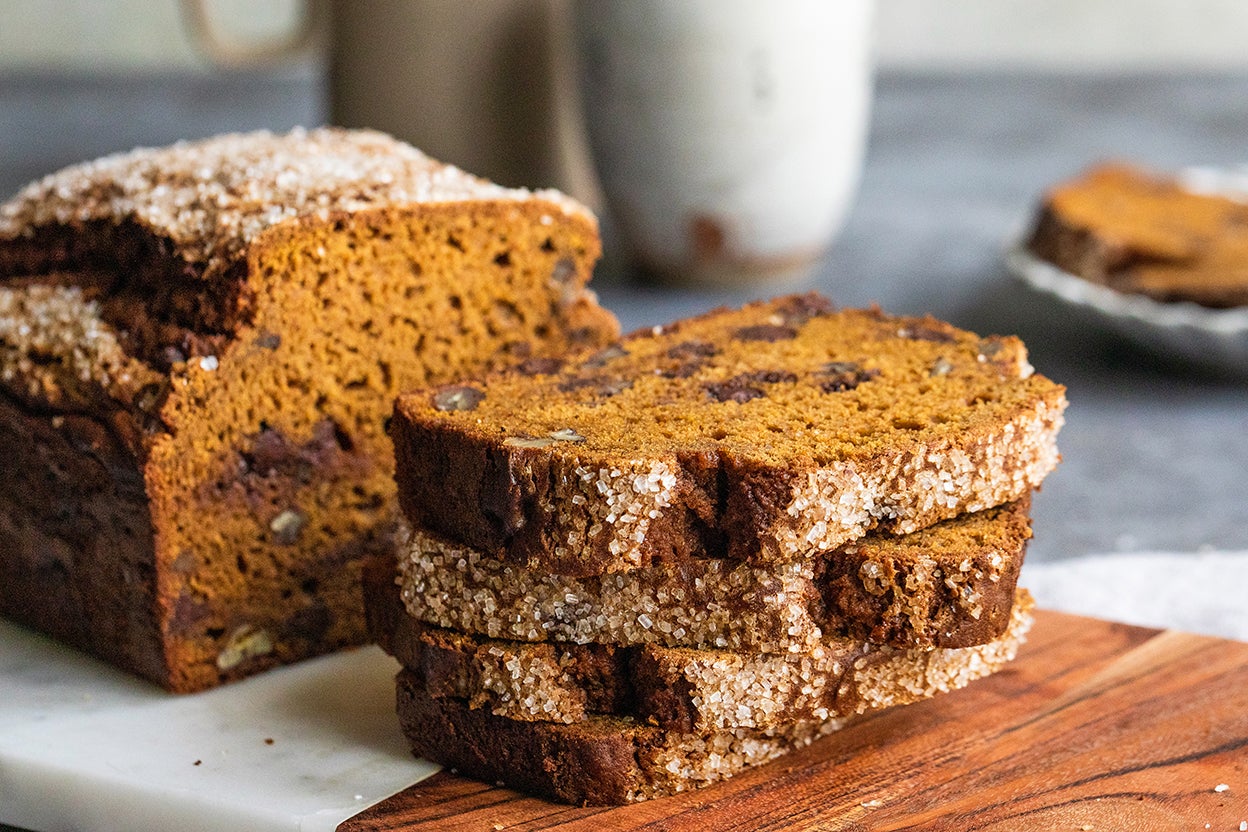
column 950, row 585
column 1140, row 233
column 675, row 688
column 761, row 434
column 199, row 348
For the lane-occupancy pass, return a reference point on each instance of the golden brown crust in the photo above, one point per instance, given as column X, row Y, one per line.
column 212, row 199
column 675, row 688
column 600, row 761
column 606, row 759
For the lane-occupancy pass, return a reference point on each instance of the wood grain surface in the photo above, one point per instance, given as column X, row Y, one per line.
column 1096, row 726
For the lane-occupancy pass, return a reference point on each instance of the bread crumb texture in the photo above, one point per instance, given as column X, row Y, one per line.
column 215, row 333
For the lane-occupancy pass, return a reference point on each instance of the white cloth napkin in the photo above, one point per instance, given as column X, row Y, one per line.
column 1199, row 592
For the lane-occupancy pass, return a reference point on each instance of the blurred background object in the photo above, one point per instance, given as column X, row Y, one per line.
column 485, row 85
column 1064, row 35
column 476, row 84
column 727, row 134
column 79, row 79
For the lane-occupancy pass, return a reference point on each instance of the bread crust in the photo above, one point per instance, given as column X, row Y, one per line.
column 948, row 586
column 674, row 688
column 600, row 761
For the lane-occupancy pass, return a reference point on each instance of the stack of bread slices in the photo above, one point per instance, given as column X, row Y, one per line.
column 639, row 570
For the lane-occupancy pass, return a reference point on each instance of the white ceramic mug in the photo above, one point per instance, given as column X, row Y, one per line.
column 727, row 134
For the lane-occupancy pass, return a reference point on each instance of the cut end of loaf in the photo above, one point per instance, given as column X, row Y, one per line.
column 398, row 299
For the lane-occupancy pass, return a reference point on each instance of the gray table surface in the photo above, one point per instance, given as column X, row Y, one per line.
column 1155, row 454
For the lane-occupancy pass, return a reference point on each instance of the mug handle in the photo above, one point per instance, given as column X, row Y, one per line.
column 228, row 55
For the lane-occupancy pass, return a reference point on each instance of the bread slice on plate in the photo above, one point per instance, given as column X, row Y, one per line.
column 1142, row 233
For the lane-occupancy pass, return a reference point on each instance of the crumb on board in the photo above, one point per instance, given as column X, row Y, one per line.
column 1221, row 787
column 268, row 740
column 872, row 804
column 199, row 762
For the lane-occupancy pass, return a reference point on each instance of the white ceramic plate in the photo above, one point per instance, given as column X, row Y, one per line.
column 1215, row 338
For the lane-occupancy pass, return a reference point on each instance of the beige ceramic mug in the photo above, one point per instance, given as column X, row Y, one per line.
column 727, row 134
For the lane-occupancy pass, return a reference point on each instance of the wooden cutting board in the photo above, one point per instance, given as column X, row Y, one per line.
column 1096, row 726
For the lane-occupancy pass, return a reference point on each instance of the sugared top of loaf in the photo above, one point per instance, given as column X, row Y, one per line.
column 212, row 197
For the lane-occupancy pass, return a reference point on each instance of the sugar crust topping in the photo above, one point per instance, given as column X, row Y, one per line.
column 897, row 449
column 621, row 501
column 729, row 605
column 686, row 762
column 840, row 503
column 55, row 348
column 214, row 196
column 882, row 684
column 706, row 603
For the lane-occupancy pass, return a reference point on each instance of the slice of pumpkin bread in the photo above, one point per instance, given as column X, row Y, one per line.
column 950, row 585
column 1142, row 233
column 702, row 731
column 763, row 434
column 601, row 760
